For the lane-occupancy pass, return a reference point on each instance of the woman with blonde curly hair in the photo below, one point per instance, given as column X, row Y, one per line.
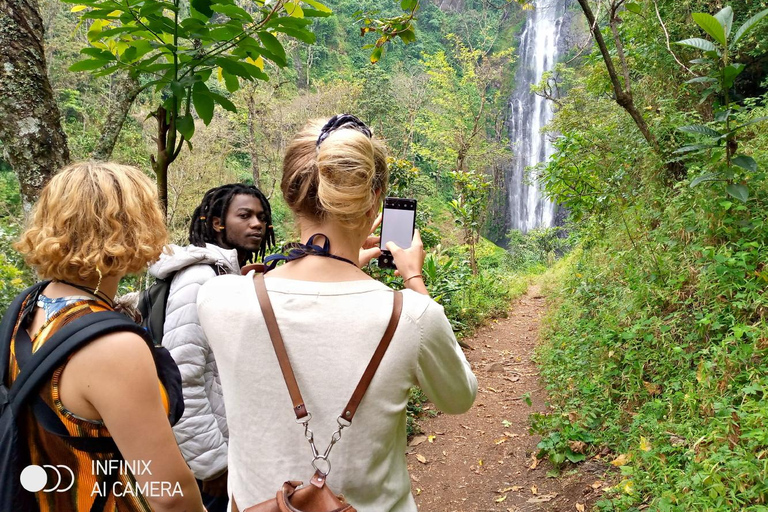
column 93, row 224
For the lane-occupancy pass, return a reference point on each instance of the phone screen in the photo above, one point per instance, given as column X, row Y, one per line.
column 397, row 226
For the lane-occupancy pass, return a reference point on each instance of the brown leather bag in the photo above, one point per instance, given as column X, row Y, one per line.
column 316, row 496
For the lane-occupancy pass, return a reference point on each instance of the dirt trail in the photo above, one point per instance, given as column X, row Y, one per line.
column 482, row 460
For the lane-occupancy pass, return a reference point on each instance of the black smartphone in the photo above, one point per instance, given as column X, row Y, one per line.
column 397, row 225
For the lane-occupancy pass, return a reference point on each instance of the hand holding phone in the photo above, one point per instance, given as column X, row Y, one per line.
column 398, row 224
column 410, row 262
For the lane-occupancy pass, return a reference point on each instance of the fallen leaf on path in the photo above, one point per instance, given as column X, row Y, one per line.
column 431, row 439
column 580, row 507
column 500, row 499
column 534, row 489
column 417, row 440
column 516, row 378
column 514, row 488
column 502, row 440
column 480, row 462
column 543, row 498
column 577, row 446
column 534, row 462
column 509, row 434
column 421, row 458
column 645, row 445
column 505, row 423
column 597, row 485
column 492, row 389
column 466, row 427
column 651, row 388
column 418, row 491
column 621, row 460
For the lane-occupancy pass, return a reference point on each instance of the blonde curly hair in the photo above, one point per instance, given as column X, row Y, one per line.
column 91, row 218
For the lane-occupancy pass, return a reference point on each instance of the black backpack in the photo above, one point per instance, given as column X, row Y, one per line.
column 154, row 300
column 36, row 369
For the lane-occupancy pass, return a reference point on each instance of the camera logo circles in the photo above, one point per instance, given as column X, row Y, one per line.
column 36, row 478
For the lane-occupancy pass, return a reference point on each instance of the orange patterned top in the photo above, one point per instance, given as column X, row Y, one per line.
column 94, row 476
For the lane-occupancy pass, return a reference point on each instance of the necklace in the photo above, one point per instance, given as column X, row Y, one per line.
column 298, row 250
column 92, row 291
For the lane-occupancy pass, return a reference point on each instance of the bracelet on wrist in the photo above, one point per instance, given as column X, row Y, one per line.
column 413, row 277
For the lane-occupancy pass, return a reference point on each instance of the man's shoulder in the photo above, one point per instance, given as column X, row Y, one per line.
column 197, row 273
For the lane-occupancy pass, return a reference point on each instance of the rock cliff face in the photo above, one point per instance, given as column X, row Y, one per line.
column 450, row 5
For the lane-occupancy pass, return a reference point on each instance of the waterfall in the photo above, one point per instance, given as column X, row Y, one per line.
column 538, row 52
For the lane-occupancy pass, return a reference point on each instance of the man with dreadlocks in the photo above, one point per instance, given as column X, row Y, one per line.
column 232, row 226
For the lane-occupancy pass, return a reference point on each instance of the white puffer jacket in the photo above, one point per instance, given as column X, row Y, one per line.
column 202, row 432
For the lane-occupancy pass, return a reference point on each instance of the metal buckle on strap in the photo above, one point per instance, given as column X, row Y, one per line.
column 317, row 459
column 322, row 459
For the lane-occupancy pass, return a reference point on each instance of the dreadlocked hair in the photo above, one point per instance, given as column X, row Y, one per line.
column 215, row 203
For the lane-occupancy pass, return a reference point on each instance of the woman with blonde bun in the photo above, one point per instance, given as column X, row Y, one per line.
column 93, row 224
column 331, row 316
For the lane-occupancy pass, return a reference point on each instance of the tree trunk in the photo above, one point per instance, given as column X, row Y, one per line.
column 128, row 88
column 252, row 147
column 34, row 142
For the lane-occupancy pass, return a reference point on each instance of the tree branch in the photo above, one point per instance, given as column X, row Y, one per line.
column 666, row 36
column 623, row 98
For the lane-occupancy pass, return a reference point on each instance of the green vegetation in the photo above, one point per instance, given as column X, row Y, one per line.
column 196, row 69
column 656, row 345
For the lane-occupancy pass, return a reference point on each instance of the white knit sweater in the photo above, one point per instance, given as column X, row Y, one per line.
column 330, row 332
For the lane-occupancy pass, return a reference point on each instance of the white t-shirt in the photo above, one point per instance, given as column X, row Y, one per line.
column 330, row 331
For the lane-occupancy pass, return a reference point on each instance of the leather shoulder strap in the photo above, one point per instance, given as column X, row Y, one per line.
column 277, row 342
column 378, row 355
column 285, row 365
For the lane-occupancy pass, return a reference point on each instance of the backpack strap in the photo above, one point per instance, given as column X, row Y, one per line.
column 285, row 365
column 58, row 347
column 6, row 332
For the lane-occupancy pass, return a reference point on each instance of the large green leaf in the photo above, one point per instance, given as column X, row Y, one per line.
column 201, row 97
column 97, row 53
column 408, row 36
column 740, row 192
column 302, row 35
column 233, row 67
column 711, row 26
column 88, row 65
column 185, row 125
column 274, row 47
column 233, row 11
column 730, row 72
column 710, row 176
column 700, row 130
column 745, row 162
column 203, row 7
column 318, row 6
column 230, row 80
column 725, row 18
column 376, row 54
column 701, row 44
column 692, row 148
column 224, row 102
column 748, row 26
